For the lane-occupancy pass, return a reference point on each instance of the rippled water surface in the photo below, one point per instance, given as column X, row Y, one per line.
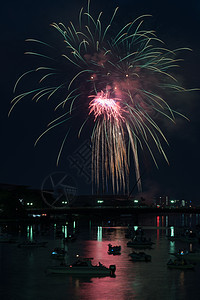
column 23, row 275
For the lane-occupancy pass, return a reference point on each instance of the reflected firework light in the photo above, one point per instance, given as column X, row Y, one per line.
column 119, row 81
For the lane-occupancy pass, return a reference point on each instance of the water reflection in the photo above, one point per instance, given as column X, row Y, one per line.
column 29, row 232
column 107, row 287
column 172, row 231
column 64, row 230
column 166, row 221
column 183, row 220
column 134, row 280
column 158, row 225
column 74, row 226
column 182, row 284
column 172, row 248
column 99, row 233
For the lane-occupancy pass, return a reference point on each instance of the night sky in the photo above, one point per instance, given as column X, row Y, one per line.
column 175, row 22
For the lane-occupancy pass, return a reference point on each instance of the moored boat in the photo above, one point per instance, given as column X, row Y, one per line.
column 187, row 235
column 115, row 250
column 140, row 242
column 179, row 264
column 140, row 256
column 83, row 266
column 193, row 256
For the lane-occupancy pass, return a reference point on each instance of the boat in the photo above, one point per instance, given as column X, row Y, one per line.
column 58, row 253
column 115, row 250
column 140, row 256
column 187, row 235
column 32, row 244
column 140, row 242
column 132, row 232
column 82, row 266
column 180, row 264
column 192, row 256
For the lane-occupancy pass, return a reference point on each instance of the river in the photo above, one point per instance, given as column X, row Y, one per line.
column 22, row 270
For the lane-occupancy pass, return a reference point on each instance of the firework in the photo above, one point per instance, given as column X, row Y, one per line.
column 120, row 81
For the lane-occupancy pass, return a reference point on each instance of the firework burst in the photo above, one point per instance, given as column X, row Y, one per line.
column 120, row 79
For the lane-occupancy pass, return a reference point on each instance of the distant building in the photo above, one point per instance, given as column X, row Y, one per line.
column 166, row 202
column 161, row 201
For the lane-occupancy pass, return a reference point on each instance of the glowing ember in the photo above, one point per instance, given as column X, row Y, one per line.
column 103, row 104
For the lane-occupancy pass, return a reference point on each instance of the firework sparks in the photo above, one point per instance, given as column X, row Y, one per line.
column 121, row 78
column 103, row 104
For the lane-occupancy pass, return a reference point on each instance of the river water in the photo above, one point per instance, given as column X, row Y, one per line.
column 23, row 276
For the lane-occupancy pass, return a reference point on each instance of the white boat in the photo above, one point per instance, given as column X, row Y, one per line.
column 140, row 242
column 115, row 250
column 140, row 256
column 83, row 266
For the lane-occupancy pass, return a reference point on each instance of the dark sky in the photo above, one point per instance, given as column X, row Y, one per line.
column 175, row 22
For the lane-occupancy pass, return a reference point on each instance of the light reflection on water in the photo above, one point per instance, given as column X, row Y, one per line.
column 23, row 270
